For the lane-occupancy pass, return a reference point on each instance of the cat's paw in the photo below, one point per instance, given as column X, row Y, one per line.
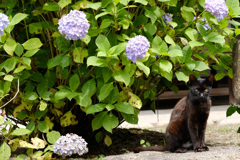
column 200, row 149
column 197, row 149
column 205, row 148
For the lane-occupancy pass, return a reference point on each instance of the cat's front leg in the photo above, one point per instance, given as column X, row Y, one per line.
column 201, row 131
column 193, row 131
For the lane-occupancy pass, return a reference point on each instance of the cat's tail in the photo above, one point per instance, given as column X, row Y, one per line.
column 150, row 148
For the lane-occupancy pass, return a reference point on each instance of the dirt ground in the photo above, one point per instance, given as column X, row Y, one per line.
column 124, row 140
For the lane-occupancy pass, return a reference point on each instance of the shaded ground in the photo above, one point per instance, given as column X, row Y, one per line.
column 124, row 140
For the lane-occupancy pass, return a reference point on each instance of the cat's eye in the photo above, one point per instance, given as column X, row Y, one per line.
column 196, row 90
column 206, row 90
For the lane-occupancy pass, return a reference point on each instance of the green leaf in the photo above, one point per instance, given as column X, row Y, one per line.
column 68, row 119
column 106, row 23
column 215, row 37
column 79, row 54
column 144, row 2
column 165, row 65
column 10, row 64
column 8, row 78
column 84, row 100
column 23, row 157
column 103, row 43
column 89, row 87
column 153, row 17
column 43, row 126
column 35, row 28
column 175, row 53
column 97, row 122
column 130, row 118
column 64, row 3
column 95, row 5
column 20, row 131
column 122, row 76
column 169, row 40
column 74, row 82
column 33, row 43
column 219, row 76
column 53, row 136
column 51, row 6
column 116, row 50
column 201, row 29
column 188, row 9
column 231, row 110
column 108, row 140
column 30, row 53
column 182, row 76
column 95, row 61
column 110, row 107
column 193, row 44
column 200, row 66
column 156, row 43
column 150, row 28
column 63, row 93
column 234, row 4
column 43, row 105
column 143, row 68
column 96, row 108
column 124, row 107
column 5, row 151
column 18, row 18
column 31, row 126
column 31, row 96
column 19, row 50
column 113, row 96
column 110, row 122
column 105, row 91
column 134, row 100
column 10, row 46
column 192, row 34
column 54, row 61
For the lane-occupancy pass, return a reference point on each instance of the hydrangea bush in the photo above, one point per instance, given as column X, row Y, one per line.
column 84, row 67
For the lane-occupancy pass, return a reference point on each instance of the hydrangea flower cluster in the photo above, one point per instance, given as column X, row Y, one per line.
column 167, row 17
column 74, row 25
column 217, row 8
column 70, row 144
column 137, row 47
column 3, row 22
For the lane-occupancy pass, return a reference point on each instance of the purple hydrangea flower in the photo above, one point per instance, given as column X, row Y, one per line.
column 74, row 25
column 167, row 17
column 70, row 144
column 3, row 22
column 217, row 8
column 137, row 47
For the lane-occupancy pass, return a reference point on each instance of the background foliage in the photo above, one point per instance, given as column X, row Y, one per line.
column 88, row 86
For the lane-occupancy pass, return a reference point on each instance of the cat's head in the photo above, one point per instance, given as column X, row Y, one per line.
column 200, row 88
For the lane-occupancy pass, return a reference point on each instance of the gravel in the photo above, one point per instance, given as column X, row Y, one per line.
column 223, row 142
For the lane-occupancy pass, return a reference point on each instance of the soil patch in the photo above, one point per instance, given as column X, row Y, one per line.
column 124, row 141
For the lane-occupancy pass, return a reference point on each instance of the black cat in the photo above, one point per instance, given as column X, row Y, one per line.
column 186, row 129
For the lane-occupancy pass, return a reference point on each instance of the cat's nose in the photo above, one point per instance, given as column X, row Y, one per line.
column 201, row 94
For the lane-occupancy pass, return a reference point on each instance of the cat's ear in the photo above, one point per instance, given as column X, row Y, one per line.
column 210, row 80
column 192, row 80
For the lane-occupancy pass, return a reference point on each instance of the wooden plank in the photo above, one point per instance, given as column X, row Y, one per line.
column 182, row 93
